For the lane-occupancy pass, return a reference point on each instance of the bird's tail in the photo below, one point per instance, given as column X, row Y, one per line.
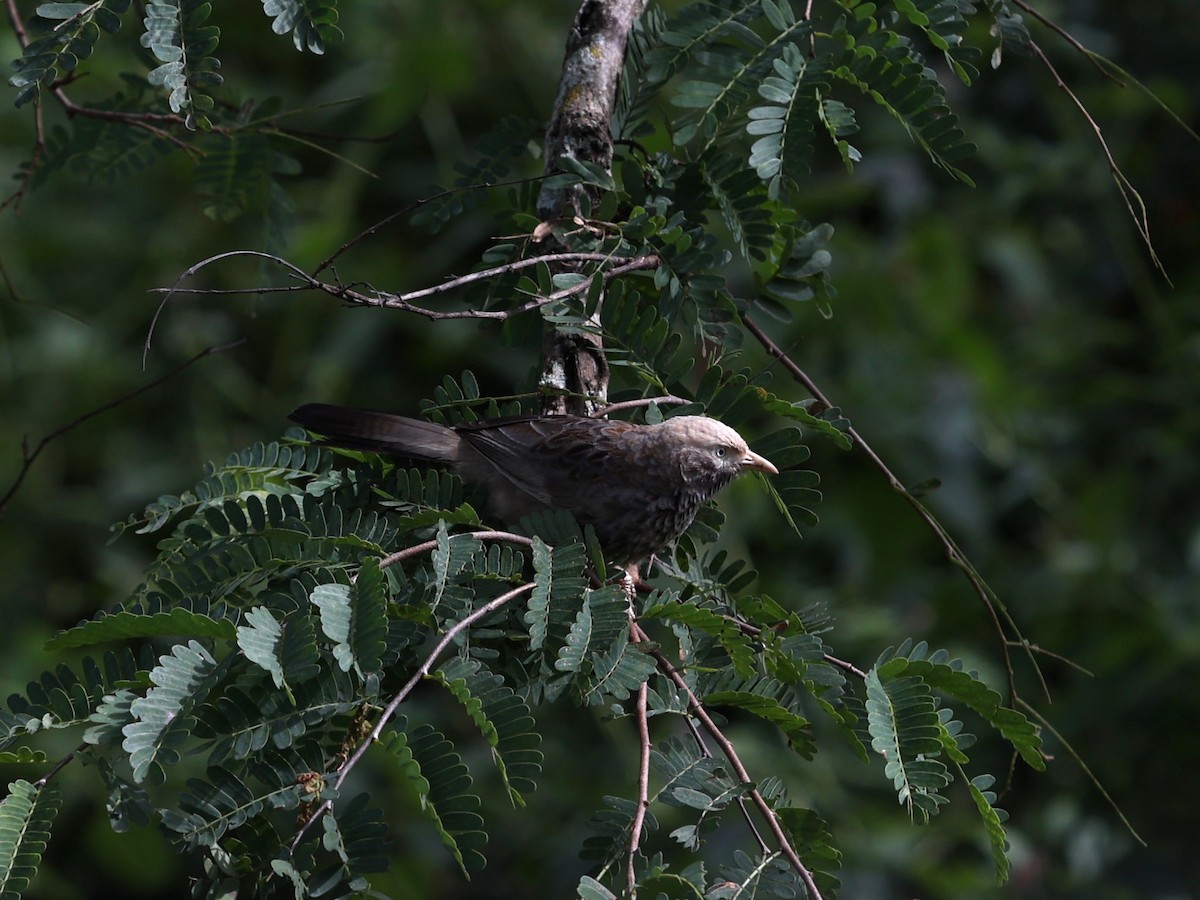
column 361, row 429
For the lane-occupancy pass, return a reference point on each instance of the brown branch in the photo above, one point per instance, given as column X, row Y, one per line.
column 142, row 120
column 986, row 595
column 18, row 25
column 714, row 731
column 29, row 457
column 643, row 793
column 403, row 301
column 427, row 546
column 633, row 404
column 845, row 666
column 390, row 710
column 397, row 301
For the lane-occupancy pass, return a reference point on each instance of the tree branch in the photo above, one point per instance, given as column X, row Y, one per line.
column 643, row 790
column 1133, row 200
column 403, row 302
column 573, row 363
column 29, row 457
column 986, row 595
column 427, row 546
column 698, row 710
column 390, row 710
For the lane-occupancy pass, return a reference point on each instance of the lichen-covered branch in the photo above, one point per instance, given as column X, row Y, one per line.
column 573, row 365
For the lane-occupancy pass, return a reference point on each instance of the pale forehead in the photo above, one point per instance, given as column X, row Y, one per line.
column 702, row 429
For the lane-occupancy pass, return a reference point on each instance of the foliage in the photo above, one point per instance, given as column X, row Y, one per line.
column 301, row 596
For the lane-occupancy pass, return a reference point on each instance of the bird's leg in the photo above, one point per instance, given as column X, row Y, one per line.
column 629, row 584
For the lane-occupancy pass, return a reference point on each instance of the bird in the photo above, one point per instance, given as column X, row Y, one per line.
column 638, row 486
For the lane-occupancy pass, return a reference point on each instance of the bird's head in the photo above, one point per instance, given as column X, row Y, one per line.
column 712, row 454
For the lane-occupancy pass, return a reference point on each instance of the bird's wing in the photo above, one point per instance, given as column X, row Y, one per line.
column 513, row 447
column 549, row 458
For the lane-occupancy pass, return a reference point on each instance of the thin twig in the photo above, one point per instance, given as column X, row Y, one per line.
column 845, row 666
column 643, row 791
column 388, row 220
column 986, row 595
column 427, row 546
column 18, row 26
column 1045, row 723
column 632, row 404
column 28, row 456
column 698, row 710
column 141, row 120
column 59, row 766
column 1140, row 216
column 390, row 710
column 698, row 737
column 1065, row 660
column 1069, row 38
column 403, row 301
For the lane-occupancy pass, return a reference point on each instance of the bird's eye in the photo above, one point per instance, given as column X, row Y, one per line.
column 720, row 451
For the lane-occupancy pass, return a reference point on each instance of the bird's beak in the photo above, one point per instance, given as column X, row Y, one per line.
column 758, row 463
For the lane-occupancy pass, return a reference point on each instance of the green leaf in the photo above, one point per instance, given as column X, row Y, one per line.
column 559, row 588
column 601, row 619
column 903, row 722
column 26, row 816
column 503, row 719
column 222, row 801
column 126, row 625
column 942, row 673
column 619, row 671
column 440, row 780
column 162, row 719
column 355, row 618
column 312, row 23
column 176, row 35
column 993, row 821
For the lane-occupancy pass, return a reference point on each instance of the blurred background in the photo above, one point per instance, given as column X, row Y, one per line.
column 1013, row 340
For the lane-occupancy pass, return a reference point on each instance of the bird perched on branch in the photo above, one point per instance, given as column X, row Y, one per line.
column 638, row 486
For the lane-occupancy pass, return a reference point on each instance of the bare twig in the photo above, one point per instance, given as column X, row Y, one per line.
column 14, row 19
column 59, row 766
column 1045, row 723
column 30, row 456
column 698, row 710
column 390, row 710
column 427, row 546
column 404, row 302
column 845, row 666
column 987, row 596
column 643, row 793
column 633, row 404
column 1069, row 38
column 388, row 220
column 1133, row 200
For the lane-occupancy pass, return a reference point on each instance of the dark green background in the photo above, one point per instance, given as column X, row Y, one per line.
column 1012, row 340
